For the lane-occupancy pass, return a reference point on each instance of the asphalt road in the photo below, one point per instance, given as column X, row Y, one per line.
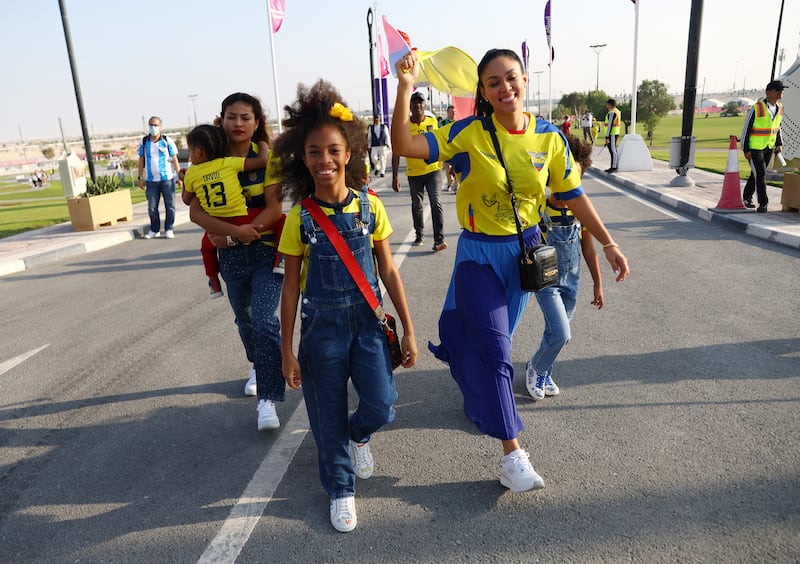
column 125, row 437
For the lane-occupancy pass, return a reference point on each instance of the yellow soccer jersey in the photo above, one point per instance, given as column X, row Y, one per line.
column 418, row 167
column 533, row 157
column 253, row 183
column 216, row 185
column 293, row 236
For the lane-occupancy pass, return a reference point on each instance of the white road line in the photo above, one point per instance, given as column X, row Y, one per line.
column 241, row 521
column 11, row 363
column 237, row 528
column 656, row 207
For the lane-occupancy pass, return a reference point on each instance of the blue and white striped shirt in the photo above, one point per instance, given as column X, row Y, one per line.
column 158, row 159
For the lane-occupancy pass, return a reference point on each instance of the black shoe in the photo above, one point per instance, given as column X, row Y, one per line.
column 418, row 241
column 749, row 204
column 611, row 170
column 762, row 209
column 383, row 174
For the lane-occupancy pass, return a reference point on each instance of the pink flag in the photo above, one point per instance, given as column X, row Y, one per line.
column 398, row 47
column 276, row 9
column 384, row 64
column 547, row 31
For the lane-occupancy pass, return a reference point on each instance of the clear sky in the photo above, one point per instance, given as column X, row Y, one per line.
column 146, row 57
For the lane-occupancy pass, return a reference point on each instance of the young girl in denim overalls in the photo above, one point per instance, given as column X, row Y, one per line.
column 322, row 156
column 564, row 232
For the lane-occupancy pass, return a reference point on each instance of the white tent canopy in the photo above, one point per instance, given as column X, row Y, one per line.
column 790, row 125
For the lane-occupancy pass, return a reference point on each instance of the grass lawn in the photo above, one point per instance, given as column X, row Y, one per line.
column 23, row 209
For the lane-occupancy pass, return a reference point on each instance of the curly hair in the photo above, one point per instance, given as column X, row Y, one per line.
column 310, row 111
column 210, row 138
column 581, row 152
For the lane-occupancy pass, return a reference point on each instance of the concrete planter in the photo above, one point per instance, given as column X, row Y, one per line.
column 89, row 214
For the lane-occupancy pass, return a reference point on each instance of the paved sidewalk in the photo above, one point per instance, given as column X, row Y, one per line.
column 58, row 242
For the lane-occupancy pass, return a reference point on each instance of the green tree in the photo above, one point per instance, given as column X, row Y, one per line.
column 653, row 103
column 574, row 102
column 596, row 102
column 48, row 152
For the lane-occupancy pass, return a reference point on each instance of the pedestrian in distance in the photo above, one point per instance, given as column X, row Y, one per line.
column 566, row 126
column 158, row 156
column 761, row 137
column 378, row 135
column 612, row 127
column 452, row 179
column 422, row 176
column 485, row 300
column 252, row 272
column 587, row 123
column 213, row 182
column 563, row 231
column 322, row 158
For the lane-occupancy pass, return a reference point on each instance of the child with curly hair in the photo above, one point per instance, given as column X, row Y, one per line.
column 563, row 231
column 322, row 160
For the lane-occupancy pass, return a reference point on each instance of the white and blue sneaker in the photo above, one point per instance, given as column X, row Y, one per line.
column 550, row 388
column 535, row 382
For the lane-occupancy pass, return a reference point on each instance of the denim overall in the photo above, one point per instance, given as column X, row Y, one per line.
column 341, row 339
column 558, row 301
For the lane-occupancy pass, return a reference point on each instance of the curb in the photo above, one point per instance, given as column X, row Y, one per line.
column 730, row 221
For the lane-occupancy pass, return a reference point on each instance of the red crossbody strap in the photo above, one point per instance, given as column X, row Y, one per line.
column 345, row 254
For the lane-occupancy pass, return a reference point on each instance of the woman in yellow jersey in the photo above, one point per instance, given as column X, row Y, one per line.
column 484, row 301
column 253, row 287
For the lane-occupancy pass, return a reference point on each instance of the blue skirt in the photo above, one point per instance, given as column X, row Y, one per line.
column 482, row 310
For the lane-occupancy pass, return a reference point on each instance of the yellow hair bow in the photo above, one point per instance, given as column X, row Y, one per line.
column 341, row 112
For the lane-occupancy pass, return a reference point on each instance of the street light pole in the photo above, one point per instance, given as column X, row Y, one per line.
column 597, row 49
column 538, row 91
column 193, row 97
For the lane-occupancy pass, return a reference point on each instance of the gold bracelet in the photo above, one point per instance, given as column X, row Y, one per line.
column 611, row 245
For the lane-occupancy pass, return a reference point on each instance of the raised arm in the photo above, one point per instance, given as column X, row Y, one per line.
column 403, row 143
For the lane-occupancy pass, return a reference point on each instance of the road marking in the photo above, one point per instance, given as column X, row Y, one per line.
column 237, row 528
column 241, row 521
column 647, row 203
column 9, row 364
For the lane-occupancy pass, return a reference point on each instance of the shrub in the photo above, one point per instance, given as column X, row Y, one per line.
column 103, row 185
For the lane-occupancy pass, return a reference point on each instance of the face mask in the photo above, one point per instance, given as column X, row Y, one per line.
column 153, row 130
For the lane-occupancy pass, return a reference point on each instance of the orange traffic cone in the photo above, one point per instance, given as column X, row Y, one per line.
column 731, row 199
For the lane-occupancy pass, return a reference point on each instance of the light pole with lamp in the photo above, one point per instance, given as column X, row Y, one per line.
column 597, row 49
column 193, row 97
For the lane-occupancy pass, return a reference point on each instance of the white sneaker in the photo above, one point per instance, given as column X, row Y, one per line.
column 267, row 416
column 517, row 474
column 250, row 389
column 362, row 460
column 170, row 234
column 152, row 234
column 534, row 382
column 550, row 387
column 343, row 514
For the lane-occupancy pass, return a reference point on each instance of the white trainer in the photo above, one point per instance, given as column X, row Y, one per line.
column 170, row 234
column 152, row 234
column 251, row 389
column 343, row 514
column 267, row 416
column 361, row 457
column 517, row 474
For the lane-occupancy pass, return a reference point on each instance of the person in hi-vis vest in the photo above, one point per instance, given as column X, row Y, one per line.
column 761, row 136
column 611, row 126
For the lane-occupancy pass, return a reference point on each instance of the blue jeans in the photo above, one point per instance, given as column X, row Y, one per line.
column 558, row 302
column 154, row 191
column 341, row 340
column 254, row 294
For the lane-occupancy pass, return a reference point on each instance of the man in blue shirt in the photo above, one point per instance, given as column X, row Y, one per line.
column 158, row 156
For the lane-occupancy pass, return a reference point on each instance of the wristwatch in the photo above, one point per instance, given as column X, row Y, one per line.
column 231, row 241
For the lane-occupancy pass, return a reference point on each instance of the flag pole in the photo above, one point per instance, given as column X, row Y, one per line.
column 274, row 69
column 634, row 95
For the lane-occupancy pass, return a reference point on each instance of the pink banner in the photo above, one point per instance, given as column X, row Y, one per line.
column 276, row 10
column 398, row 47
column 384, row 63
column 463, row 106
